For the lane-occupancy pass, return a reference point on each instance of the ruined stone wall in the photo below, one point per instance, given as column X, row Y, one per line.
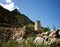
column 37, row 26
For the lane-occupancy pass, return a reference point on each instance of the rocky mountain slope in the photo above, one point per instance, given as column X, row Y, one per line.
column 13, row 18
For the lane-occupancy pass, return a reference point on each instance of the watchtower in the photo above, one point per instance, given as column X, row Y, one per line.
column 37, row 26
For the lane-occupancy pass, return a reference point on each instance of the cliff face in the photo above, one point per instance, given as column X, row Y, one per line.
column 13, row 17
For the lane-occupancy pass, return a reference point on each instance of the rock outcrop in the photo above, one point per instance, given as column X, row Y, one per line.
column 49, row 38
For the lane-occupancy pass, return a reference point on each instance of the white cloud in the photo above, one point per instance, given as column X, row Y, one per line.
column 17, row 8
column 8, row 1
column 8, row 6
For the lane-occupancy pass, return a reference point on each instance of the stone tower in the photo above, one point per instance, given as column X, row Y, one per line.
column 37, row 26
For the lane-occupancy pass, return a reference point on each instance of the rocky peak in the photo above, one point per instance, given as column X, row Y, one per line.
column 15, row 11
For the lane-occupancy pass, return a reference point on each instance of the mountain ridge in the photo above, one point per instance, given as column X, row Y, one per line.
column 13, row 17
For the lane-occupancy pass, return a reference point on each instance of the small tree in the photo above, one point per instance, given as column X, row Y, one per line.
column 46, row 29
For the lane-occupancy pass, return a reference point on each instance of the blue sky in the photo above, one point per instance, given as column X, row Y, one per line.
column 47, row 11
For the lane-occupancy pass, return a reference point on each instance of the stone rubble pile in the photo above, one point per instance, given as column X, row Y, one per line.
column 49, row 37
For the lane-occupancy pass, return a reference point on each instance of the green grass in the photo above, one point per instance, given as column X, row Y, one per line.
column 25, row 43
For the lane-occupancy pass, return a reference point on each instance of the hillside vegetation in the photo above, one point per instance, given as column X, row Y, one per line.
column 13, row 18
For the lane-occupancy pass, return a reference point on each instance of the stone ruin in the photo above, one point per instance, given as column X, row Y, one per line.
column 24, row 31
column 49, row 38
column 37, row 26
column 18, row 34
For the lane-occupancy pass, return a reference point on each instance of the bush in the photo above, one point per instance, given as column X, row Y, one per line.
column 46, row 29
column 31, row 26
